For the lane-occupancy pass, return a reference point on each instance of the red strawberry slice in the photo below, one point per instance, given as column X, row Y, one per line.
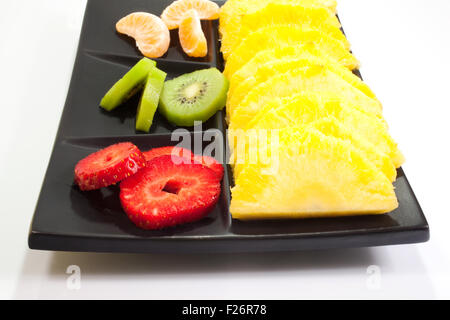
column 108, row 166
column 210, row 162
column 163, row 151
column 167, row 193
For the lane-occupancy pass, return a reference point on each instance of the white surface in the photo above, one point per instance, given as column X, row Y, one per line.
column 405, row 52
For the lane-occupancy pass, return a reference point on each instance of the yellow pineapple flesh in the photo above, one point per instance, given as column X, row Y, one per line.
column 293, row 15
column 282, row 36
column 311, row 78
column 325, row 149
column 308, row 107
column 233, row 10
column 329, row 126
column 251, row 67
column 275, row 67
column 313, row 176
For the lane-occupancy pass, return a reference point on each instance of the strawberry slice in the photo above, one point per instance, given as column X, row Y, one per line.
column 167, row 193
column 163, row 151
column 108, row 166
column 210, row 162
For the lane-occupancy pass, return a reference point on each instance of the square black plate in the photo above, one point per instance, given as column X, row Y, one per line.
column 70, row 220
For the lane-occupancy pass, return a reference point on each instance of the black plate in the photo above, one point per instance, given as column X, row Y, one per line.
column 70, row 220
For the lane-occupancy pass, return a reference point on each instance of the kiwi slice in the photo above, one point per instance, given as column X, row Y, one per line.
column 149, row 99
column 130, row 84
column 195, row 96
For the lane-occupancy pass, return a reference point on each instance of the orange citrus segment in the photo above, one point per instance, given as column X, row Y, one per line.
column 151, row 34
column 191, row 35
column 173, row 14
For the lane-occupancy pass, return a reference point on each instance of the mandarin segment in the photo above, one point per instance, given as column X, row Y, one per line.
column 174, row 14
column 192, row 38
column 151, row 34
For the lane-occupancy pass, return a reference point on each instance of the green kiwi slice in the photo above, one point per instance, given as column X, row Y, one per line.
column 150, row 99
column 195, row 96
column 130, row 84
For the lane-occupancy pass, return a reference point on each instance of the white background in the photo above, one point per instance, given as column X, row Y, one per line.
column 404, row 46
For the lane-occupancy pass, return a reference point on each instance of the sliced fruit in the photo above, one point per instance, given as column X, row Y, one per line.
column 233, row 10
column 174, row 14
column 282, row 36
column 188, row 157
column 262, row 57
column 181, row 153
column 329, row 126
column 211, row 163
column 291, row 14
column 128, row 85
column 272, row 68
column 168, row 193
column 195, row 96
column 315, row 78
column 191, row 35
column 108, row 166
column 151, row 34
column 308, row 107
column 150, row 99
column 313, row 176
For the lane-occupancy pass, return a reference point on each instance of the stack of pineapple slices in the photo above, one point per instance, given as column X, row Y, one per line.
column 307, row 136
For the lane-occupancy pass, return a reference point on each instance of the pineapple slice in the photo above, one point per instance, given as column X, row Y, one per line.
column 249, row 71
column 282, row 36
column 308, row 107
column 275, row 67
column 312, row 78
column 313, row 176
column 264, row 56
column 233, row 10
column 328, row 126
column 294, row 15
